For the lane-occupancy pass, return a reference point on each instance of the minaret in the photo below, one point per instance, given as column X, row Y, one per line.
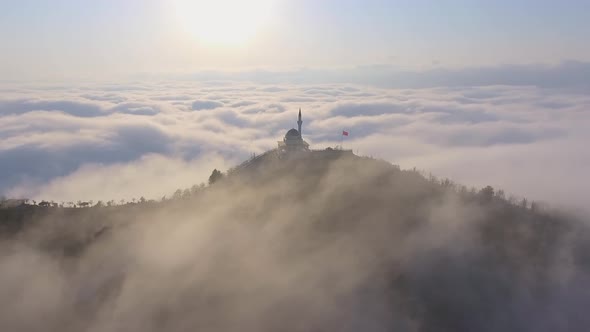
column 299, row 123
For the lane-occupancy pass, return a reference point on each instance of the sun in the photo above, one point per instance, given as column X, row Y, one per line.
column 223, row 22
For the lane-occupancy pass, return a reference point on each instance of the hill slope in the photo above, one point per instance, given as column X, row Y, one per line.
column 303, row 244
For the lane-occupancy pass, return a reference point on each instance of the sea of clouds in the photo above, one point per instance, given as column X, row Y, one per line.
column 83, row 141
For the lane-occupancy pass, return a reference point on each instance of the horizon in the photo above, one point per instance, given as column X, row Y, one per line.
column 66, row 38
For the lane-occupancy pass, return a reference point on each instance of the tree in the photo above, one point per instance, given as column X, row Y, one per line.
column 487, row 193
column 463, row 191
column 177, row 194
column 216, row 175
column 447, row 183
column 194, row 189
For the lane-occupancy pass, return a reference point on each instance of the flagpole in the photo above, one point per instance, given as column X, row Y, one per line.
column 342, row 140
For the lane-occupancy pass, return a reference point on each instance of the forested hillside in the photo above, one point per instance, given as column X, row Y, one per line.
column 348, row 244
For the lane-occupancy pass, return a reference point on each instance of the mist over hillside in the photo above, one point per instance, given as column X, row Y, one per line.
column 324, row 244
column 267, row 165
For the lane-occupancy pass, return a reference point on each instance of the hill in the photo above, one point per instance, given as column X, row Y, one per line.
column 320, row 242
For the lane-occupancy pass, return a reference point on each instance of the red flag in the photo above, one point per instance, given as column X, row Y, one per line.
column 344, row 133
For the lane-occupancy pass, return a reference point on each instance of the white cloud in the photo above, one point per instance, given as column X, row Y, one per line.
column 151, row 176
column 205, row 105
column 527, row 140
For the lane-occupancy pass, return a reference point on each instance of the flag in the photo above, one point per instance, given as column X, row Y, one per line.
column 344, row 133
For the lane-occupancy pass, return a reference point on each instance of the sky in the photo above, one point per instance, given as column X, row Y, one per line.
column 61, row 39
column 161, row 92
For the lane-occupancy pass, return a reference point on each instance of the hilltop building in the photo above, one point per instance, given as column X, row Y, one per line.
column 293, row 140
column 292, row 148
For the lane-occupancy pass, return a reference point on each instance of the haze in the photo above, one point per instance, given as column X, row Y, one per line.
column 483, row 92
column 66, row 38
column 152, row 179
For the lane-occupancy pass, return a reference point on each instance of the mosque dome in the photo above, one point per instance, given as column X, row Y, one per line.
column 292, row 133
column 293, row 140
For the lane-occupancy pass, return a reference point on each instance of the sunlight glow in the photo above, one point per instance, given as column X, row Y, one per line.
column 224, row 22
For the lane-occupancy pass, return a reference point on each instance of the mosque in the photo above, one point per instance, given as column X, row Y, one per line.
column 293, row 141
column 292, row 147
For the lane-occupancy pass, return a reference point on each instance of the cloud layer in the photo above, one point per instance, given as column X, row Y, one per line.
column 529, row 140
